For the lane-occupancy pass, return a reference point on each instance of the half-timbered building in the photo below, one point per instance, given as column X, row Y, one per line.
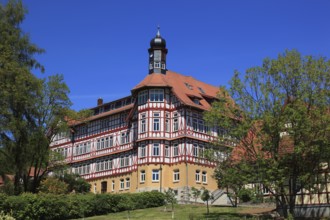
column 154, row 139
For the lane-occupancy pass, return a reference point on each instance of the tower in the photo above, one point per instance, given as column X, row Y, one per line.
column 157, row 55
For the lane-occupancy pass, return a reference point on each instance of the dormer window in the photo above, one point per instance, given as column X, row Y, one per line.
column 188, row 86
column 196, row 101
column 201, row 90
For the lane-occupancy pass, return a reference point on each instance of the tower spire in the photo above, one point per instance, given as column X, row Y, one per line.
column 157, row 54
column 158, row 31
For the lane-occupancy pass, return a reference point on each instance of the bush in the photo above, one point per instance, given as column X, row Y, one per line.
column 245, row 195
column 55, row 207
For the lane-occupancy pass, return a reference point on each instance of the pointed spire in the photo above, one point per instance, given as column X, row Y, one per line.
column 158, row 31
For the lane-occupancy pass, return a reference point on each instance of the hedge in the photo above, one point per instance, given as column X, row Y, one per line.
column 52, row 207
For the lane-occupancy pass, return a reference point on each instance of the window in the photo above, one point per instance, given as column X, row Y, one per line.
column 167, row 151
column 121, row 184
column 82, row 170
column 175, row 150
column 128, row 183
column 163, row 66
column 188, row 86
column 143, row 150
column 124, row 161
column 204, row 177
column 124, row 137
column 157, row 65
column 104, row 186
column 82, row 148
column 143, row 127
column 156, row 122
column 103, row 165
column 175, row 122
column 201, row 151
column 195, row 124
column 201, row 90
column 167, row 123
column 110, row 141
column 113, row 185
column 155, row 150
column 143, row 97
column 195, row 150
column 156, row 95
column 155, row 175
column 201, row 126
column 198, row 176
column 142, row 176
column 176, row 176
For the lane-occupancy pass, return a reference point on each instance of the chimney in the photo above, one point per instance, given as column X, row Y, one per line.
column 99, row 101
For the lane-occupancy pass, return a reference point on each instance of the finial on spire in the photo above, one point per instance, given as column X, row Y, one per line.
column 158, row 31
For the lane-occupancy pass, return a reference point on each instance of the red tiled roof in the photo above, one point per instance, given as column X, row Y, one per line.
column 184, row 87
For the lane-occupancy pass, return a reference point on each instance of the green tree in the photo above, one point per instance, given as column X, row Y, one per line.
column 32, row 110
column 170, row 199
column 279, row 112
column 76, row 183
column 206, row 197
column 196, row 193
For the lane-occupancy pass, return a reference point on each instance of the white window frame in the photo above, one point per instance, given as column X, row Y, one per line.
column 167, row 151
column 155, row 176
column 198, row 176
column 143, row 97
column 176, row 175
column 143, row 151
column 156, row 95
column 175, row 150
column 204, row 177
column 128, row 183
column 156, row 149
column 121, row 184
column 142, row 176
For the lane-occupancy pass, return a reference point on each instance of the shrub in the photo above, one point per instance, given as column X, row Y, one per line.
column 55, row 207
column 53, row 185
column 245, row 195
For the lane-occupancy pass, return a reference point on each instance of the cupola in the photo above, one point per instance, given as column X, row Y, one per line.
column 157, row 54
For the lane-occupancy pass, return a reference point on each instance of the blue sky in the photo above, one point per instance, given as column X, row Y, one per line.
column 101, row 46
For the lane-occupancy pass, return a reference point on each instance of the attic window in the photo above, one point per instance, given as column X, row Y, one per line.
column 196, row 101
column 201, row 90
column 188, row 86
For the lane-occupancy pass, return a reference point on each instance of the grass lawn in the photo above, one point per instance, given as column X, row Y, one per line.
column 181, row 212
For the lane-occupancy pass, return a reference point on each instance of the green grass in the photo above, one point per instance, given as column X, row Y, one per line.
column 181, row 212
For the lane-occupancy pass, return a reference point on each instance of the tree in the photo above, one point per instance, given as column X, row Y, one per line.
column 279, row 113
column 170, row 199
column 196, row 193
column 18, row 87
column 32, row 110
column 76, row 183
column 206, row 197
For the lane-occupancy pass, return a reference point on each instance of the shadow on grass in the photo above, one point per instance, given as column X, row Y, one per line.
column 228, row 216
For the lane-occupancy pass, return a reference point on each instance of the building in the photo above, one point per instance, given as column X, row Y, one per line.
column 153, row 139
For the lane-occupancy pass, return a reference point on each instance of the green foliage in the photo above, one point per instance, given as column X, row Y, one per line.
column 196, row 193
column 246, row 195
column 55, row 206
column 206, row 197
column 4, row 216
column 279, row 117
column 53, row 185
column 170, row 197
column 76, row 183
